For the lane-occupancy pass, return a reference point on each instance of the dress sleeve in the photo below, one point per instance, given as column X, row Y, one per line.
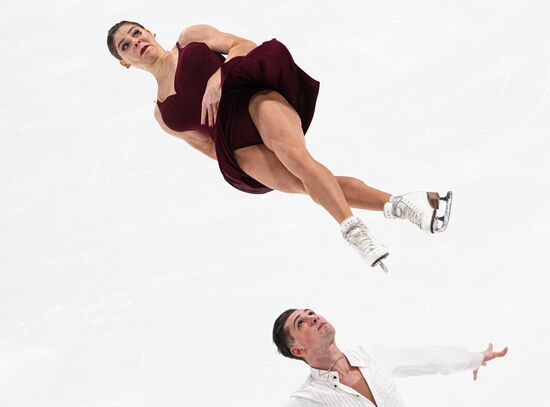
column 425, row 360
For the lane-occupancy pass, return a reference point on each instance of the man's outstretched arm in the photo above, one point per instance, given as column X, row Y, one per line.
column 425, row 360
column 489, row 354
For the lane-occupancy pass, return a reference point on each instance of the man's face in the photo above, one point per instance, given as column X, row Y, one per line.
column 311, row 332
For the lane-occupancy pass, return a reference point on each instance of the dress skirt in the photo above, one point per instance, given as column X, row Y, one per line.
column 267, row 67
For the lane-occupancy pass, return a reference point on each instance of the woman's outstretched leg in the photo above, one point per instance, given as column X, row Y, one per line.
column 263, row 165
column 360, row 195
column 418, row 207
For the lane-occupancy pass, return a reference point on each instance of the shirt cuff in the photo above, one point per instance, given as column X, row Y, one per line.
column 475, row 361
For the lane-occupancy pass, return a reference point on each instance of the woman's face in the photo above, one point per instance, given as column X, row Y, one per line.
column 136, row 46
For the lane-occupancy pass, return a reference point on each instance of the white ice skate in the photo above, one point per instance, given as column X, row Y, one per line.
column 360, row 237
column 421, row 208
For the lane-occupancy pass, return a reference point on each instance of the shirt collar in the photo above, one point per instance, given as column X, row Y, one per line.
column 330, row 376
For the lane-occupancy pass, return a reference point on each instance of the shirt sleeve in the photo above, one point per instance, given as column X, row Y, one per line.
column 425, row 360
column 300, row 402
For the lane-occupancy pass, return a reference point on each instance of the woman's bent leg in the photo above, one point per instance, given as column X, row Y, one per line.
column 280, row 128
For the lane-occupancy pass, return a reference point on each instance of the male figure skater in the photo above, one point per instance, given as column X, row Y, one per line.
column 361, row 376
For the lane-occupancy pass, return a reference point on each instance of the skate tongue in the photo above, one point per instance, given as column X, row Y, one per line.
column 349, row 223
column 388, row 210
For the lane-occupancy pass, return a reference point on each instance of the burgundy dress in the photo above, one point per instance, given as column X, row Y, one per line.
column 268, row 66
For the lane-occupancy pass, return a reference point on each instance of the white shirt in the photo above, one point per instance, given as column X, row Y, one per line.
column 378, row 366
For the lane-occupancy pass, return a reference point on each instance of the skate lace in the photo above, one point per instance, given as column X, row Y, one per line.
column 407, row 209
column 359, row 237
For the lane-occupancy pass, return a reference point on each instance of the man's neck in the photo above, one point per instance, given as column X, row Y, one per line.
column 331, row 358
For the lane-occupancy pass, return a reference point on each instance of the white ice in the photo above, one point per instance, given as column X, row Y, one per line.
column 133, row 275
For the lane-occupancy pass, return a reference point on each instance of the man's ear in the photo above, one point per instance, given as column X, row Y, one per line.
column 298, row 352
column 124, row 63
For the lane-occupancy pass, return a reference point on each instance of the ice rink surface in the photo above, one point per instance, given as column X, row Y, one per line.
column 132, row 275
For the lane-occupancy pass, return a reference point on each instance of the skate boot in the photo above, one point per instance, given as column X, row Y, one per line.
column 421, row 208
column 360, row 237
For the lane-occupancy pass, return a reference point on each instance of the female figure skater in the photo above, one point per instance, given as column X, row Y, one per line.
column 250, row 111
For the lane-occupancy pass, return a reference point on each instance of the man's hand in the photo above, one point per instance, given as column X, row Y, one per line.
column 489, row 354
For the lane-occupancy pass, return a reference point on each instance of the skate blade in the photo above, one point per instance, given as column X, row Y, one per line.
column 380, row 263
column 441, row 222
column 382, row 266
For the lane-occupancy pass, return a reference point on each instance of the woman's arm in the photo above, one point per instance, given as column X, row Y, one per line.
column 217, row 41
column 193, row 138
column 223, row 43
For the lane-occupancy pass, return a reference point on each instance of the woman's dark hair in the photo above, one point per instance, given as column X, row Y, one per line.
column 111, row 36
column 281, row 338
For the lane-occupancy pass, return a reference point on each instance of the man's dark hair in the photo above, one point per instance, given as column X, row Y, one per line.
column 111, row 36
column 281, row 338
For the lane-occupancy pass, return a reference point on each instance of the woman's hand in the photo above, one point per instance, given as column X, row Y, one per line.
column 489, row 354
column 211, row 100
